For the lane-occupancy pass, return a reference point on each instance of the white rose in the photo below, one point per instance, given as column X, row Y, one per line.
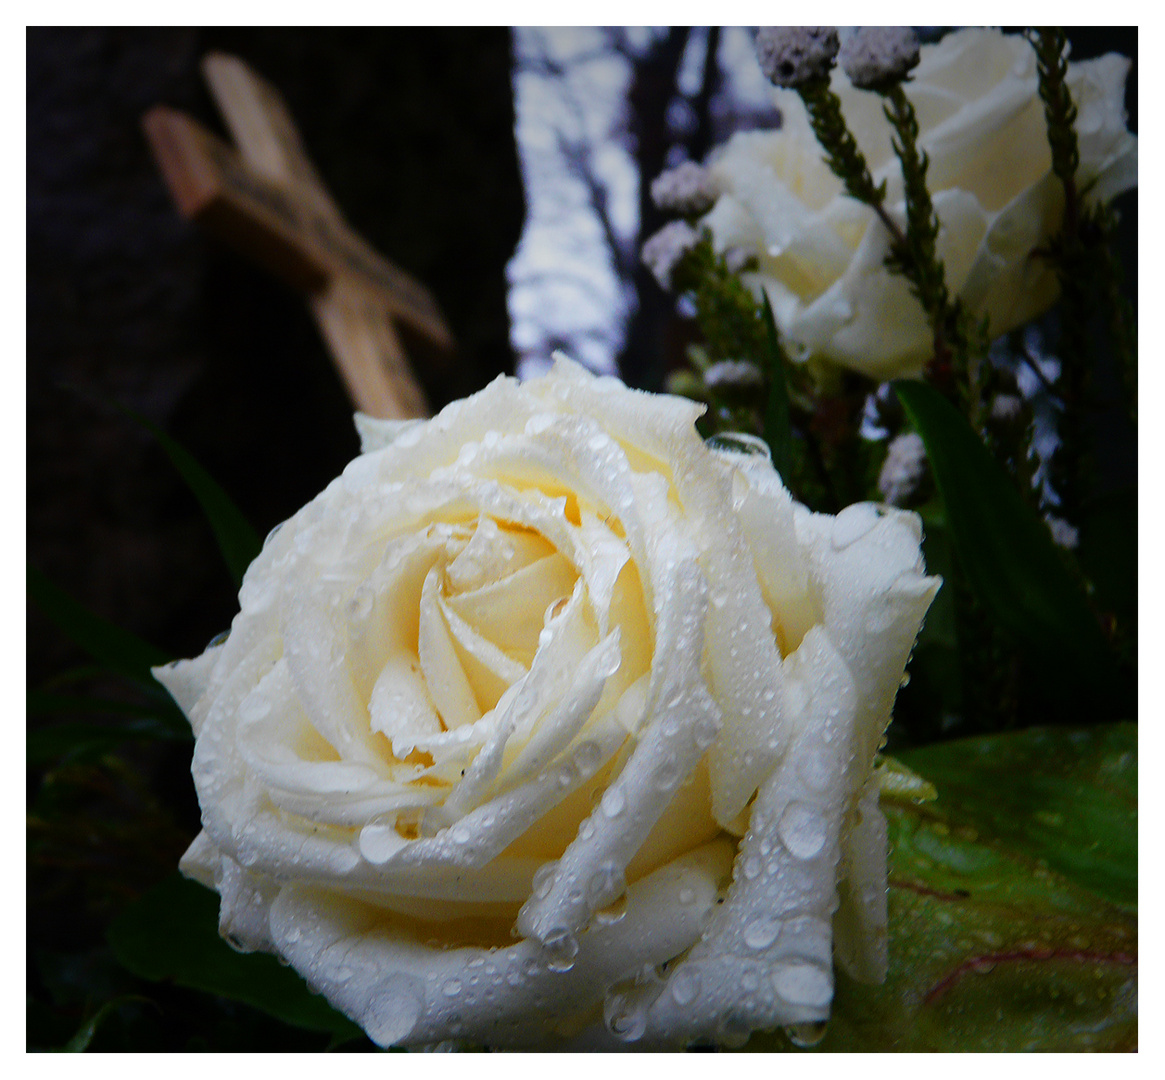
column 544, row 724
column 982, row 124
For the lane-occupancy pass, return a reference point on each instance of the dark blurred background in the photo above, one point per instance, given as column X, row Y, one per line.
column 412, row 131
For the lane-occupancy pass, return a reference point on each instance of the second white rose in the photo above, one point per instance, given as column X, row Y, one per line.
column 821, row 253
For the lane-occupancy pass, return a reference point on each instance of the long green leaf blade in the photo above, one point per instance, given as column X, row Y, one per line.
column 1006, row 551
column 238, row 542
column 115, row 648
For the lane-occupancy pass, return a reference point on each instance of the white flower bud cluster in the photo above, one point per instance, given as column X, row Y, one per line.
column 903, row 470
column 663, row 250
column 874, row 55
column 686, row 189
column 791, row 56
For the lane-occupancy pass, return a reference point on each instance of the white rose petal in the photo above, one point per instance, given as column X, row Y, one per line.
column 547, row 667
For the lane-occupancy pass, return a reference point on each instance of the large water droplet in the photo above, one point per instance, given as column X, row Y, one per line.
column 802, row 983
column 587, row 757
column 852, row 523
column 739, row 442
column 762, row 932
column 613, row 802
column 451, row 987
column 560, row 947
column 606, row 881
column 685, row 985
column 625, row 1016
column 802, row 829
column 543, row 880
column 805, row 1035
column 752, row 867
column 734, row 1030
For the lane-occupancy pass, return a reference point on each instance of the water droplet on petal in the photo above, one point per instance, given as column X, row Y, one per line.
column 762, row 932
column 685, row 985
column 612, row 802
column 734, row 1030
column 543, row 880
column 805, row 1035
column 451, row 987
column 802, row 983
column 852, row 523
column 625, row 1016
column 802, row 829
column 560, row 947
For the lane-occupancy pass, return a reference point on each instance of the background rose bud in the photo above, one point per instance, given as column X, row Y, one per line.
column 982, row 124
column 541, row 695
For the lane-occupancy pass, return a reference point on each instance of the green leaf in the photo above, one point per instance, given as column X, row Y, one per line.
column 171, row 934
column 1012, row 902
column 778, row 430
column 237, row 541
column 1007, row 552
column 110, row 645
column 79, row 1043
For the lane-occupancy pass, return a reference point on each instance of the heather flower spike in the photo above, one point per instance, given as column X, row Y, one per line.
column 791, row 56
column 874, row 56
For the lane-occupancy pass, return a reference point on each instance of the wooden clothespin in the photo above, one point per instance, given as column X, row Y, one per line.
column 268, row 201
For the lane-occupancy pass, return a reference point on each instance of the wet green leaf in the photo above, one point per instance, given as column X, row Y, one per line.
column 1007, row 552
column 171, row 934
column 1012, row 902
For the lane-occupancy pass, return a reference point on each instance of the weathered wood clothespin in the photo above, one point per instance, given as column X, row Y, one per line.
column 268, row 201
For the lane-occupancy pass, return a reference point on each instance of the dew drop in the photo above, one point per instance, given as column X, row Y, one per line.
column 803, row 983
column 587, row 757
column 806, row 1035
column 613, row 912
column 451, row 987
column 606, row 881
column 852, row 523
column 461, row 834
column 751, row 868
column 687, row 895
column 740, row 442
column 734, row 1030
column 560, row 947
column 668, row 774
column 613, row 802
column 762, row 932
column 705, row 733
column 802, row 829
column 543, row 880
column 625, row 1017
column 685, row 985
